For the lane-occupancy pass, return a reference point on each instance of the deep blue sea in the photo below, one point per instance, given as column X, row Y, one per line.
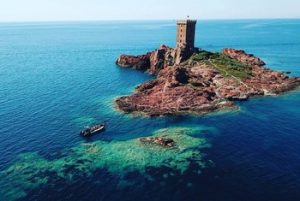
column 57, row 78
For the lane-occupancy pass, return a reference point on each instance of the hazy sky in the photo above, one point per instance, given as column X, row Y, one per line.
column 65, row 10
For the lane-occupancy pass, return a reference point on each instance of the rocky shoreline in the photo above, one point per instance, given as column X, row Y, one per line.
column 199, row 82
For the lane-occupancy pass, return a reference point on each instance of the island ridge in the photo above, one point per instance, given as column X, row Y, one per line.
column 193, row 81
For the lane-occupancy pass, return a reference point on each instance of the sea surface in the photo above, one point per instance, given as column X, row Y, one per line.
column 58, row 77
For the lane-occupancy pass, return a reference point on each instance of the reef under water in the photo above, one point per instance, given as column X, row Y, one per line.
column 31, row 170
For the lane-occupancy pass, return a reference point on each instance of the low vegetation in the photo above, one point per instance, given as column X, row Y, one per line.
column 226, row 65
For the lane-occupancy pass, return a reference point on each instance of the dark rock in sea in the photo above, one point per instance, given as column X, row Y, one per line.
column 160, row 141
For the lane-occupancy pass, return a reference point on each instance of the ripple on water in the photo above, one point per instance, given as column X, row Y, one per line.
column 31, row 170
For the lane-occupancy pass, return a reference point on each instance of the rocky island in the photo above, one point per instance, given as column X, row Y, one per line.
column 192, row 81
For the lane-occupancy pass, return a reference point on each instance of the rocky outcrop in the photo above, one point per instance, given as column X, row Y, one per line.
column 159, row 141
column 156, row 60
column 243, row 57
column 201, row 87
column 171, row 93
column 137, row 62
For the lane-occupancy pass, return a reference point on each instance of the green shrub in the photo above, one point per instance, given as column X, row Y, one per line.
column 204, row 55
column 226, row 65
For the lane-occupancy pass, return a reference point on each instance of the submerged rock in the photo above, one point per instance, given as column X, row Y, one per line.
column 32, row 171
column 161, row 141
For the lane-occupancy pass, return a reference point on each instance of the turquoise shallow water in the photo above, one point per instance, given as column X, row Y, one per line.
column 56, row 78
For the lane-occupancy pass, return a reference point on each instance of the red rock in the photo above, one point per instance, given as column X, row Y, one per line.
column 156, row 60
column 197, row 89
column 243, row 57
column 138, row 62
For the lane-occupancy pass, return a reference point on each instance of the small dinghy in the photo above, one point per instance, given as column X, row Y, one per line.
column 93, row 130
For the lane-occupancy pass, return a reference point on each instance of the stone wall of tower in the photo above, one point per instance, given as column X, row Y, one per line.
column 186, row 34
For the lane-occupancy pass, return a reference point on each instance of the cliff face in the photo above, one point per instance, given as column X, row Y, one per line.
column 156, row 60
column 206, row 82
column 138, row 62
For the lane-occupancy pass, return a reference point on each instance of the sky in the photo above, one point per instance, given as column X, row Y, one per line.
column 81, row 10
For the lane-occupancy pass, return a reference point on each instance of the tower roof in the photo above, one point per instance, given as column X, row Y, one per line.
column 186, row 21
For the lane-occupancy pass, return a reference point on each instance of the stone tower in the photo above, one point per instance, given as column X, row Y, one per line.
column 186, row 34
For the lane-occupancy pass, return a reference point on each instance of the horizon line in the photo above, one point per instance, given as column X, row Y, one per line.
column 124, row 20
